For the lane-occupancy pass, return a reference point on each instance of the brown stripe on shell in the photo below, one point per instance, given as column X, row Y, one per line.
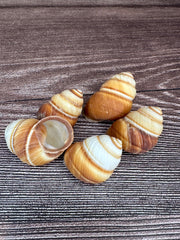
column 153, row 109
column 121, row 80
column 33, row 144
column 125, row 141
column 82, row 177
column 60, row 109
column 80, row 174
column 115, row 156
column 20, row 139
column 47, row 109
column 140, row 125
column 117, row 133
column 12, row 136
column 94, row 163
column 149, row 116
column 58, row 112
column 77, row 92
column 139, row 141
column 128, row 74
column 23, row 154
column 88, row 171
column 54, row 112
column 111, row 93
column 114, row 141
column 66, row 98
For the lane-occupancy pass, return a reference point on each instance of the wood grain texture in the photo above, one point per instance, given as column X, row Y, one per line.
column 87, row 3
column 143, row 184
column 45, row 50
column 147, row 227
column 53, row 48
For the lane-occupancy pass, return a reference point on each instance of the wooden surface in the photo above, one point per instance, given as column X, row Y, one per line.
column 46, row 49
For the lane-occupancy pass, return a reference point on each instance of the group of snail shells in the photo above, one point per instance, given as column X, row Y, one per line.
column 39, row 141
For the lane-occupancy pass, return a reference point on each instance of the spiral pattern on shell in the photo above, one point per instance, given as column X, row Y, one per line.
column 113, row 100
column 38, row 142
column 139, row 130
column 67, row 104
column 94, row 159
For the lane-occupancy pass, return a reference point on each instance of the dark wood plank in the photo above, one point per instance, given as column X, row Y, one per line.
column 147, row 227
column 87, row 3
column 142, row 184
column 44, row 50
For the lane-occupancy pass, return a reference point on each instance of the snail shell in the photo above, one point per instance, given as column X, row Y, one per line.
column 67, row 104
column 138, row 130
column 94, row 159
column 113, row 100
column 38, row 142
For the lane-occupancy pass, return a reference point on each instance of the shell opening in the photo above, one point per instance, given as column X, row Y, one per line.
column 56, row 136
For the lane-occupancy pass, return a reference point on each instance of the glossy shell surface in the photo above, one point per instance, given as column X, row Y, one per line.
column 113, row 100
column 94, row 159
column 67, row 104
column 139, row 130
column 38, row 142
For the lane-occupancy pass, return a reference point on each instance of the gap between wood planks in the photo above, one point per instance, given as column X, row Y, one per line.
column 89, row 4
column 43, row 99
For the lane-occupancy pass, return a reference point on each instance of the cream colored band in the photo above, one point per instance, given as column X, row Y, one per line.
column 60, row 110
column 116, row 93
column 139, row 127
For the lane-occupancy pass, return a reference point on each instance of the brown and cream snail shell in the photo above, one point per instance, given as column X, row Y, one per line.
column 138, row 130
column 67, row 104
column 39, row 142
column 94, row 159
column 113, row 100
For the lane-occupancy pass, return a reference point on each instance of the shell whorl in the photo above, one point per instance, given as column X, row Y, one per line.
column 9, row 133
column 126, row 77
column 67, row 104
column 139, row 130
column 147, row 119
column 113, row 100
column 122, row 85
column 38, row 142
column 94, row 159
column 109, row 148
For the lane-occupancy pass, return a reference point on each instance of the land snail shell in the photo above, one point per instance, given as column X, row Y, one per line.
column 38, row 142
column 113, row 100
column 139, row 130
column 67, row 104
column 94, row 159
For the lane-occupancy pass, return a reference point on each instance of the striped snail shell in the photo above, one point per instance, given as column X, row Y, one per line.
column 138, row 130
column 113, row 100
column 67, row 104
column 94, row 159
column 39, row 142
